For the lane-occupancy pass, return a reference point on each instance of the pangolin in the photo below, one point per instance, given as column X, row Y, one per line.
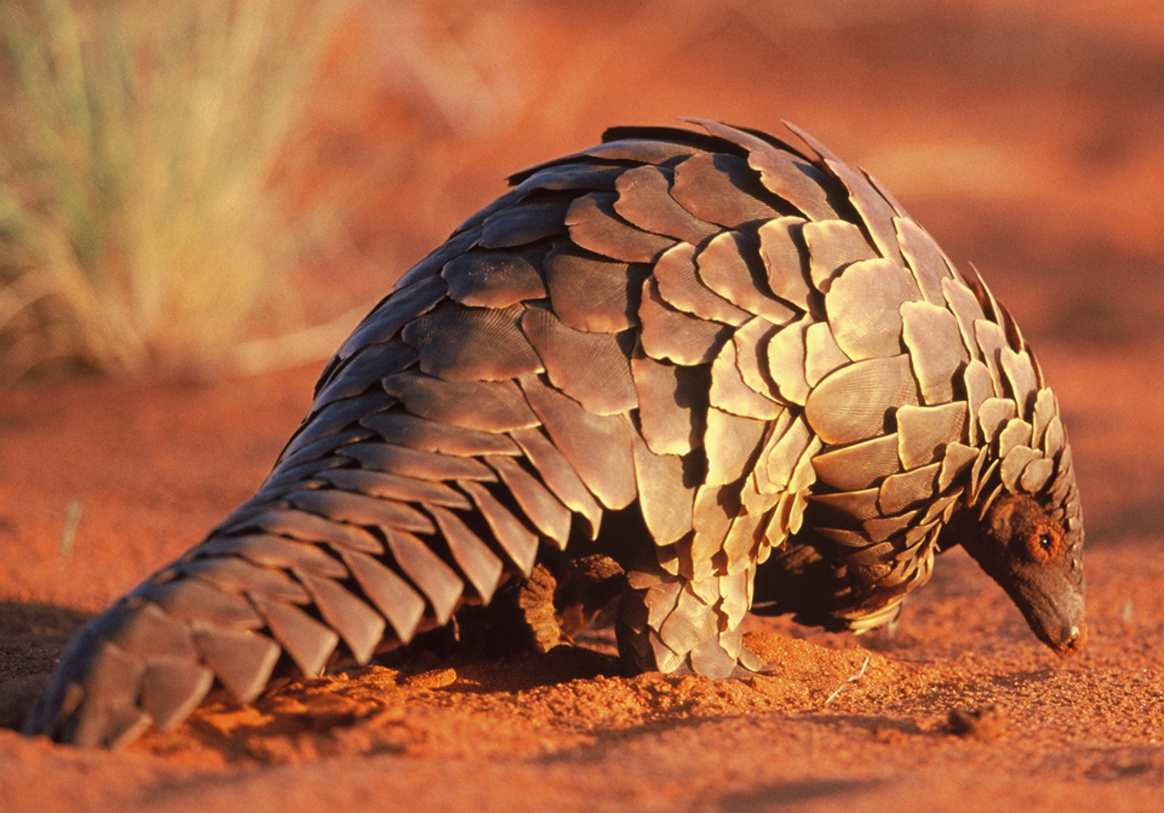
column 734, row 367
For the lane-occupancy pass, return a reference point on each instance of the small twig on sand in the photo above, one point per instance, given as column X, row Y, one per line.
column 851, row 679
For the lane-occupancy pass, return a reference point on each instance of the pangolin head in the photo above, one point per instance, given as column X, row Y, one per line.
column 1032, row 545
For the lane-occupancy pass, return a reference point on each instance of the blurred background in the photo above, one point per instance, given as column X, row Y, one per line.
column 202, row 190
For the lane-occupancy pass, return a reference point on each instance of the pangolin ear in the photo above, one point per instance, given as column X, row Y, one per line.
column 1000, row 520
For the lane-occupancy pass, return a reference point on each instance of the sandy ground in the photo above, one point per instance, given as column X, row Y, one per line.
column 1024, row 136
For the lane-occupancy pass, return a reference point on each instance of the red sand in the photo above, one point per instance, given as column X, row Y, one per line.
column 1033, row 147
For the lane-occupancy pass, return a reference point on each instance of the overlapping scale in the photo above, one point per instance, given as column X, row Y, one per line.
column 489, row 406
column 240, row 576
column 642, row 149
column 591, row 368
column 957, row 459
column 860, row 465
column 1014, row 464
column 979, row 385
column 924, row 259
column 458, row 343
column 991, row 339
column 365, row 365
column 496, row 279
column 401, row 605
column 358, row 509
column 474, row 558
column 935, row 347
column 530, row 220
column 864, row 308
column 309, row 527
column 731, row 393
column 666, row 494
column 545, row 510
column 389, row 458
column 593, row 293
column 395, row 487
column 859, row 505
column 676, row 336
column 876, row 213
column 590, row 177
column 788, row 175
column 993, row 416
column 598, row 447
column 559, row 476
column 308, row 641
column 386, row 320
column 359, row 625
column 721, row 189
column 335, row 416
column 787, row 351
column 1020, row 378
column 731, row 443
column 833, row 245
column 150, row 633
column 901, row 491
column 596, row 226
column 515, row 539
column 925, row 432
column 782, row 456
column 822, row 354
column 242, row 661
column 426, row 570
column 274, row 552
column 716, row 505
column 781, row 249
column 1045, row 409
column 751, row 355
column 964, row 305
column 428, row 269
column 644, row 199
column 858, row 401
column 1035, row 475
column 399, row 428
column 672, row 401
column 681, row 288
column 730, row 265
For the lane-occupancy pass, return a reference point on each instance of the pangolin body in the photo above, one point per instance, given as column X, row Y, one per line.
column 737, row 368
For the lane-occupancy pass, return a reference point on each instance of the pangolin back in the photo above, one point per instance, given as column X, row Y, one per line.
column 745, row 347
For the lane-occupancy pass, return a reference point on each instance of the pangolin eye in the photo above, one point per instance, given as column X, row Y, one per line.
column 1043, row 545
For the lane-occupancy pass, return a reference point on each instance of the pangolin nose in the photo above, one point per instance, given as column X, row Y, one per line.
column 1075, row 639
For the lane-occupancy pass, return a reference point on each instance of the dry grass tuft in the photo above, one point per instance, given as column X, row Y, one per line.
column 141, row 221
